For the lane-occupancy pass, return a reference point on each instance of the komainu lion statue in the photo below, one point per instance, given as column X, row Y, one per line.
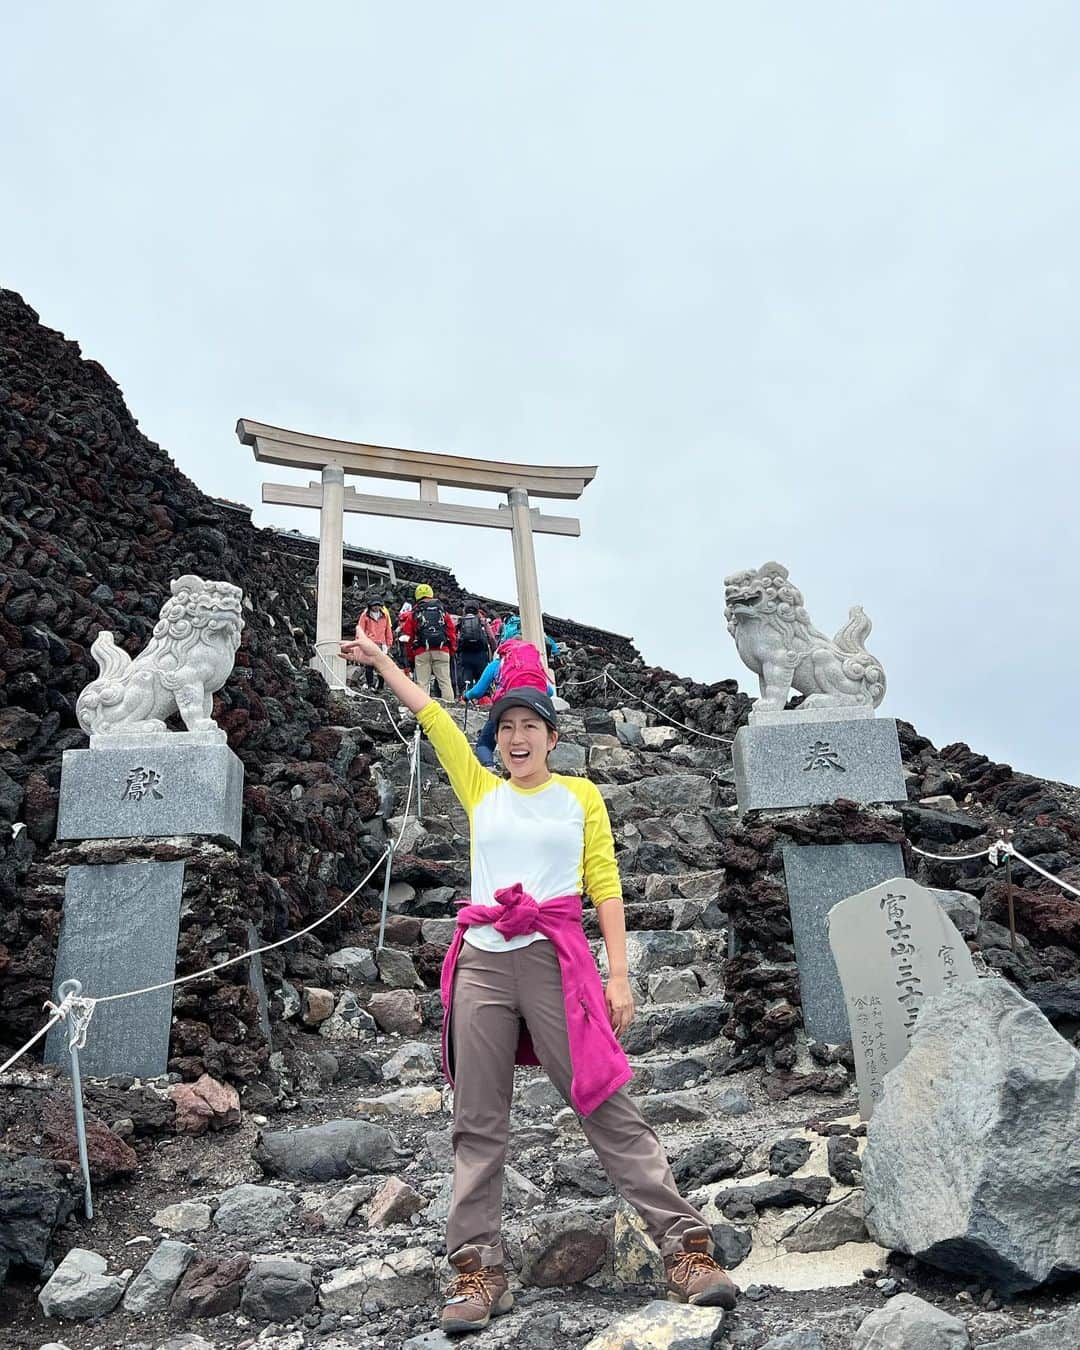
column 776, row 639
column 188, row 658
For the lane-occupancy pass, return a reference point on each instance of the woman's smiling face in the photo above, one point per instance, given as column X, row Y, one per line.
column 524, row 740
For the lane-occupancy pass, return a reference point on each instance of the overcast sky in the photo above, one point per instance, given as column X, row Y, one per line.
column 800, row 279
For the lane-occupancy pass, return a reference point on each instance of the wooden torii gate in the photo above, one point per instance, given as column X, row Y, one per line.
column 334, row 459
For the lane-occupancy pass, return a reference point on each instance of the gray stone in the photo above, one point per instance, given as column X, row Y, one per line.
column 254, row 1211
column 674, row 792
column 801, row 1339
column 780, row 767
column 567, row 758
column 153, row 1287
column 542, row 1095
column 186, row 1216
column 655, row 950
column 830, row 1227
column 277, row 1291
column 1059, row 1334
column 438, row 1210
column 818, row 876
column 151, row 789
column 349, row 1021
column 414, row 1062
column 519, row 1191
column 430, row 1340
column 790, row 717
column 356, row 964
column 910, row 1323
column 963, row 910
column 404, row 1279
column 673, row 986
column 397, row 971
column 731, row 1245
column 662, row 1324
column 659, row 738
column 36, row 1197
column 328, row 1152
column 629, row 735
column 440, row 932
column 79, row 1287
column 971, row 1155
column 119, row 932
column 894, row 947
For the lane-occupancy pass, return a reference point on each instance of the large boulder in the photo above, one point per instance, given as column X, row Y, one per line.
column 35, row 1198
column 970, row 1163
column 328, row 1152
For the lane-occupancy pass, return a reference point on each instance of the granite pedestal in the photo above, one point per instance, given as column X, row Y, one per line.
column 160, row 785
column 805, row 761
column 119, row 932
column 818, row 876
column 121, row 921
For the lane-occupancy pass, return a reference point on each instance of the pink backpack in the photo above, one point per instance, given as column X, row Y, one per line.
column 521, row 668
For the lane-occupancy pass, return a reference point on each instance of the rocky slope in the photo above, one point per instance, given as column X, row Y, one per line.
column 94, row 522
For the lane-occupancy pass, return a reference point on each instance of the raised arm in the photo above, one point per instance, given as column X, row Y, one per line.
column 367, row 653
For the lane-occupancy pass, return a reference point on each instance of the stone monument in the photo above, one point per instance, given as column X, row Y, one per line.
column 139, row 780
column 894, row 947
column 832, row 746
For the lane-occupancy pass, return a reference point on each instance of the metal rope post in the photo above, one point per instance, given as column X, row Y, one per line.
column 76, row 1037
column 385, row 895
column 419, row 778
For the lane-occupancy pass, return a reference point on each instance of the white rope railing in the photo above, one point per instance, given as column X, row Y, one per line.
column 341, row 687
column 997, row 852
column 708, row 735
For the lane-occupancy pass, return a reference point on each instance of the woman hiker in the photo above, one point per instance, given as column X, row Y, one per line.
column 519, row 985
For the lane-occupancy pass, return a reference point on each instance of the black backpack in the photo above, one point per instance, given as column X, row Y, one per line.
column 471, row 635
column 430, row 625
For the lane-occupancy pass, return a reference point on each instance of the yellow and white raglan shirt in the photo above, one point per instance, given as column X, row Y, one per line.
column 554, row 839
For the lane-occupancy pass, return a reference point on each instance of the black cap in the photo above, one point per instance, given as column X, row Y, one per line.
column 526, row 697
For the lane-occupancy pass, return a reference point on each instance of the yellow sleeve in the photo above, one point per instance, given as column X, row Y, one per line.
column 600, row 871
column 468, row 777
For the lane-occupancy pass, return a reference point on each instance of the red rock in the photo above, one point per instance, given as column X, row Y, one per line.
column 210, row 1287
column 111, row 1159
column 205, row 1105
column 397, row 1010
column 394, row 1202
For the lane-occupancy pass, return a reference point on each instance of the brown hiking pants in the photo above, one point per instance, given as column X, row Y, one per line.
column 492, row 990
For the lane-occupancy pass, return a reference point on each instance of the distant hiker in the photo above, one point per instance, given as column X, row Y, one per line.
column 516, row 665
column 432, row 639
column 512, row 629
column 374, row 623
column 495, row 623
column 472, row 644
column 404, row 651
column 520, row 985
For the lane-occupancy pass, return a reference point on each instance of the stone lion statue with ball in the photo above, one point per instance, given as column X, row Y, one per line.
column 187, row 660
column 776, row 639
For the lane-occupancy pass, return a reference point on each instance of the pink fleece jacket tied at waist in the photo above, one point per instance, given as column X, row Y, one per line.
column 598, row 1063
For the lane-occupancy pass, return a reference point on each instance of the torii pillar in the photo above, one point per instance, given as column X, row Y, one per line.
column 275, row 445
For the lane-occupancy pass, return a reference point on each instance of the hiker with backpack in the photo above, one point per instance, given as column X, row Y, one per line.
column 432, row 637
column 473, row 644
column 519, row 985
column 512, row 629
column 515, row 665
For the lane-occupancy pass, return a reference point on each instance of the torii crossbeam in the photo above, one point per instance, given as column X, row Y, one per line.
column 275, row 445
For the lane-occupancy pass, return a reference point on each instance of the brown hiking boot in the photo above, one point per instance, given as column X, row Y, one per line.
column 694, row 1277
column 475, row 1295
